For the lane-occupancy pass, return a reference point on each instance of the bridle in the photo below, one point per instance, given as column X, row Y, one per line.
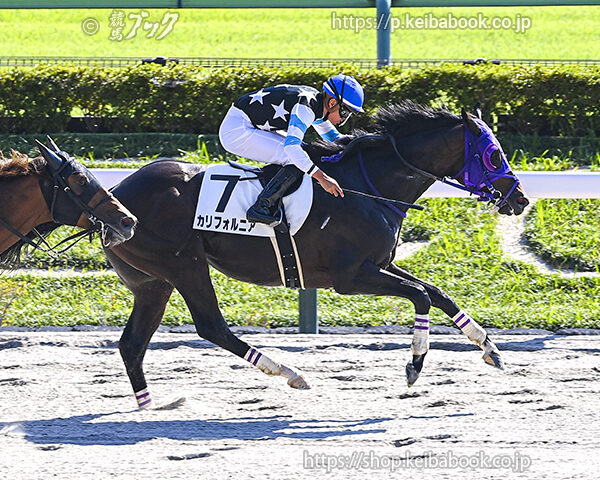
column 489, row 174
column 491, row 195
column 62, row 196
column 61, row 186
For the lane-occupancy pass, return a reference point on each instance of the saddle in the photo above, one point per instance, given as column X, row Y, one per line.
column 283, row 244
column 265, row 174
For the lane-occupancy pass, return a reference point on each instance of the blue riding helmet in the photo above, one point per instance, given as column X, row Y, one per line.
column 346, row 89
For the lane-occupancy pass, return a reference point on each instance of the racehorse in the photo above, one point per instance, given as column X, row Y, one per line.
column 346, row 243
column 53, row 190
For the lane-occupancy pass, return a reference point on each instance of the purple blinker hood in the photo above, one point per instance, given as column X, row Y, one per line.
column 479, row 171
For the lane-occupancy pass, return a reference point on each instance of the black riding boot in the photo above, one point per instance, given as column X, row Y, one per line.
column 267, row 207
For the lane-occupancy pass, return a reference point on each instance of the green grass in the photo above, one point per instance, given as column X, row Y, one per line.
column 545, row 162
column 556, row 32
column 464, row 258
column 565, row 233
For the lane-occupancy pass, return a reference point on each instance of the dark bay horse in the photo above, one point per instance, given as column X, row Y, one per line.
column 53, row 190
column 345, row 243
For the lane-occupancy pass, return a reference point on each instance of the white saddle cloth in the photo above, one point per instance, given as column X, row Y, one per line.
column 226, row 195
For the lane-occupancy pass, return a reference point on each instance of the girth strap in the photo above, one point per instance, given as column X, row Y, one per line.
column 288, row 260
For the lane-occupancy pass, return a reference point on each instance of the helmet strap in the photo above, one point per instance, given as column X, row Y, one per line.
column 326, row 103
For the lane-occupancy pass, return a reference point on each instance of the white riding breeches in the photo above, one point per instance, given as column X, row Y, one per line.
column 239, row 136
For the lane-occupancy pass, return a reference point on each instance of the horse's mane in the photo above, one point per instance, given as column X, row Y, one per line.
column 20, row 164
column 407, row 118
column 402, row 119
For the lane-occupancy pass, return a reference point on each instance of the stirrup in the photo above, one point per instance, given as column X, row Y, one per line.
column 269, row 220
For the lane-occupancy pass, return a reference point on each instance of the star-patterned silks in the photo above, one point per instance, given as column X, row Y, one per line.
column 258, row 96
column 310, row 95
column 270, row 108
column 280, row 112
column 266, row 126
column 278, row 116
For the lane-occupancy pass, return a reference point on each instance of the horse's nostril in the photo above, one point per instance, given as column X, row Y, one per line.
column 127, row 222
column 523, row 201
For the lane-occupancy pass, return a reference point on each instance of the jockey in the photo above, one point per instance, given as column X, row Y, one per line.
column 268, row 125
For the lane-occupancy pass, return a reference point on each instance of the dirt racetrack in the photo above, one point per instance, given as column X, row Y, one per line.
column 66, row 409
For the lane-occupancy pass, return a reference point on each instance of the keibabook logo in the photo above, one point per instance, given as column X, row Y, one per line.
column 123, row 27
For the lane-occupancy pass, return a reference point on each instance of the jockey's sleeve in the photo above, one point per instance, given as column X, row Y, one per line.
column 326, row 130
column 301, row 116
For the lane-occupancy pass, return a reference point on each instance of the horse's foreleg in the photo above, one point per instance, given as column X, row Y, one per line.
column 474, row 332
column 372, row 280
column 200, row 297
column 148, row 309
column 477, row 334
column 419, row 348
column 150, row 299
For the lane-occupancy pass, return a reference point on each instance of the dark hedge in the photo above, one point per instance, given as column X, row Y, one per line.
column 183, row 99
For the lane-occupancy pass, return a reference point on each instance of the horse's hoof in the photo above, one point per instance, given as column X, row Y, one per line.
column 411, row 374
column 413, row 368
column 494, row 359
column 491, row 354
column 171, row 405
column 298, row 382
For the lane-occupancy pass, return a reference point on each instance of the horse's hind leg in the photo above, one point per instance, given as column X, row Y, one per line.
column 198, row 292
column 150, row 299
column 474, row 332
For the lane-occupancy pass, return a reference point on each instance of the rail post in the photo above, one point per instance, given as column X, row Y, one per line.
column 384, row 11
column 309, row 321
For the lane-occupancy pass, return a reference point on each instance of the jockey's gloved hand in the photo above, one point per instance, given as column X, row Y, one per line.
column 329, row 184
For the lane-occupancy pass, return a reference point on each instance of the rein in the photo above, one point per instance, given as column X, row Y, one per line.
column 391, row 204
column 493, row 196
column 375, row 195
column 52, row 250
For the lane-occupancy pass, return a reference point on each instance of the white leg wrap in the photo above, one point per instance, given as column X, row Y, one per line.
column 470, row 327
column 267, row 365
column 270, row 367
column 420, row 342
column 143, row 399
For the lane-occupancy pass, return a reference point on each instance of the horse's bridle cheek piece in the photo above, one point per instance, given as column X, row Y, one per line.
column 88, row 201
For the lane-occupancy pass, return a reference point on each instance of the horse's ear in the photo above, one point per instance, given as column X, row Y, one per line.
column 470, row 123
column 54, row 161
column 477, row 111
column 52, row 144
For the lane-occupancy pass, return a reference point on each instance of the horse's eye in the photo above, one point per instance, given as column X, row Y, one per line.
column 496, row 159
column 82, row 180
column 492, row 157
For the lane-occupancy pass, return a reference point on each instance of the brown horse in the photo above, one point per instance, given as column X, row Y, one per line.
column 53, row 190
column 346, row 243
